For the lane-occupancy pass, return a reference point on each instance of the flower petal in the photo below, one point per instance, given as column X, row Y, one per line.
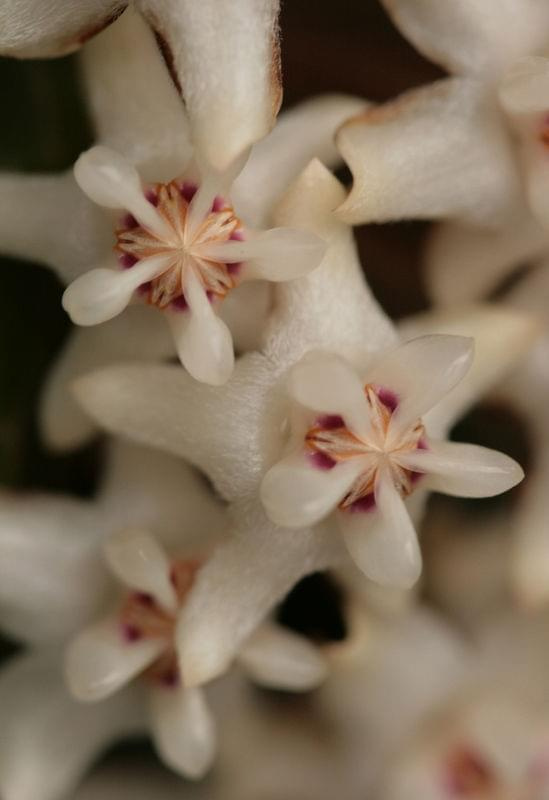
column 31, row 29
column 99, row 661
column 464, row 470
column 184, row 730
column 524, row 88
column 280, row 659
column 464, row 262
column 305, row 317
column 302, row 133
column 101, row 294
column 134, row 105
column 52, row 579
column 69, row 232
column 225, row 58
column 203, row 341
column 296, row 494
column 384, row 545
column 141, row 563
column 49, row 740
column 110, row 180
column 469, row 37
column 240, row 584
column 421, row 372
column 326, row 383
column 446, row 131
column 138, row 334
column 279, row 254
column 163, row 407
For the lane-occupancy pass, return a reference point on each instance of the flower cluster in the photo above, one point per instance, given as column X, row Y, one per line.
column 281, row 426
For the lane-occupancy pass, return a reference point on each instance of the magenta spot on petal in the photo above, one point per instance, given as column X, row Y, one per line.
column 367, row 503
column 144, row 598
column 234, row 269
column 144, row 288
column 218, row 204
column 237, row 236
column 188, row 191
column 415, row 477
column 129, row 222
column 330, row 422
column 388, row 398
column 180, row 304
column 126, row 260
column 170, row 678
column 131, row 633
column 422, row 445
column 321, row 461
column 210, row 296
column 152, row 197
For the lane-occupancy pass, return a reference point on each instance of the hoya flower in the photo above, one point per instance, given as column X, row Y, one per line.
column 455, row 131
column 237, row 434
column 360, row 446
column 55, row 582
column 223, row 56
column 135, row 111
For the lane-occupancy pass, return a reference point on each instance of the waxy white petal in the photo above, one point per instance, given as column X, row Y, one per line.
column 110, row 180
column 134, row 105
column 383, row 544
column 101, row 294
column 138, row 334
column 470, row 37
column 421, row 372
column 446, row 131
column 326, row 383
column 203, row 341
column 224, row 54
column 279, row 254
column 525, row 86
column 48, row 739
column 33, row 29
column 278, row 658
column 304, row 132
column 296, row 494
column 141, row 563
column 99, row 661
column 465, row 470
column 183, row 730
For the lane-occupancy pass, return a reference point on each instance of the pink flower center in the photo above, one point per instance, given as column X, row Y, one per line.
column 185, row 248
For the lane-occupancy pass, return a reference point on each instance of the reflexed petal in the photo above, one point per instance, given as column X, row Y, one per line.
column 69, row 232
column 99, row 661
column 302, row 133
column 525, row 87
column 52, row 578
column 138, row 334
column 48, row 739
column 163, row 407
column 303, row 317
column 141, row 563
column 110, row 180
column 240, row 584
column 280, row 254
column 203, row 341
column 326, row 383
column 421, row 372
column 296, row 494
column 280, row 659
column 502, row 336
column 134, row 105
column 446, row 131
column 464, row 262
column 465, row 470
column 34, row 29
column 470, row 37
column 101, row 294
column 184, row 730
column 225, row 58
column 384, row 544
